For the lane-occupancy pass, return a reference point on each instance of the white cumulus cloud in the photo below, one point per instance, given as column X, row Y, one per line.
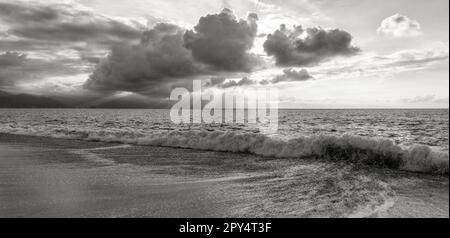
column 399, row 26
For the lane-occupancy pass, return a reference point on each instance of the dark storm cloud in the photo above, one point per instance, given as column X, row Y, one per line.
column 148, row 62
column 223, row 42
column 64, row 22
column 149, row 67
column 303, row 47
column 169, row 56
column 54, row 35
column 290, row 75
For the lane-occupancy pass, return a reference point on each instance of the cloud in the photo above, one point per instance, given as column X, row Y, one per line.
column 9, row 59
column 45, row 40
column 442, row 100
column 385, row 66
column 169, row 56
column 30, row 12
column 223, row 42
column 214, row 81
column 426, row 99
column 399, row 26
column 435, row 53
column 243, row 82
column 158, row 60
column 305, row 47
column 64, row 22
column 226, row 4
column 290, row 75
column 16, row 68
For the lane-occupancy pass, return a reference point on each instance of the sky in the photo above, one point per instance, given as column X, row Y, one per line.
column 317, row 53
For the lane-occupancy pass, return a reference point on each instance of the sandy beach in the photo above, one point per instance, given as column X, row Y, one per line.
column 44, row 177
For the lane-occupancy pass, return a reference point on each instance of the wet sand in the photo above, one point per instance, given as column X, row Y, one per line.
column 34, row 185
column 44, row 177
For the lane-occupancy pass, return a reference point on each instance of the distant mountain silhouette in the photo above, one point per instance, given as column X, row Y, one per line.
column 8, row 100
column 4, row 94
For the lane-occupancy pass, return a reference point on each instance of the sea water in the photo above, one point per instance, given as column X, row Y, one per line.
column 408, row 139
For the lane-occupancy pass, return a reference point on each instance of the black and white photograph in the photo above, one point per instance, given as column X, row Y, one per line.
column 255, row 109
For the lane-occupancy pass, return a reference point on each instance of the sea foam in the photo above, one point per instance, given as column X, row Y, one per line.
column 356, row 149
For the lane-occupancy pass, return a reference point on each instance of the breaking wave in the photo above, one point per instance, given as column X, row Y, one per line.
column 356, row 149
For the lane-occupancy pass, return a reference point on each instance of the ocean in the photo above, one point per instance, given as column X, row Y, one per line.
column 419, row 138
column 320, row 163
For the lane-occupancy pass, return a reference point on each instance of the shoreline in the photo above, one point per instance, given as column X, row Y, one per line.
column 378, row 152
column 46, row 178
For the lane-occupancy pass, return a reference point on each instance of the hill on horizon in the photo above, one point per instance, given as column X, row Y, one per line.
column 9, row 100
